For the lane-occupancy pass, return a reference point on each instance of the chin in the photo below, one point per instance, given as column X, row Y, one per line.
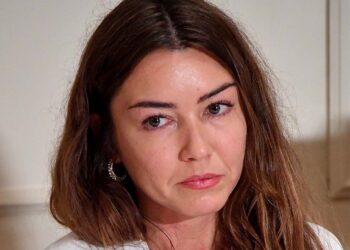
column 205, row 206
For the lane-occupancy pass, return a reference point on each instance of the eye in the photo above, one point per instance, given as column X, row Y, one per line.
column 155, row 121
column 219, row 108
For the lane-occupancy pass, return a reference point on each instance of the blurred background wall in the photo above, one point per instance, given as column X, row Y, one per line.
column 40, row 45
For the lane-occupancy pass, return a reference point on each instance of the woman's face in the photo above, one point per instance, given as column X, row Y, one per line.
column 180, row 132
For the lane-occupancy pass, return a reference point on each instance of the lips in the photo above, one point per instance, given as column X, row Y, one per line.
column 201, row 181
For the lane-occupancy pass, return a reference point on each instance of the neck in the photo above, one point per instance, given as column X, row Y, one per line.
column 192, row 233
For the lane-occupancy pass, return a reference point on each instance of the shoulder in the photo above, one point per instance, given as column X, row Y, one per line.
column 69, row 241
column 328, row 240
column 72, row 242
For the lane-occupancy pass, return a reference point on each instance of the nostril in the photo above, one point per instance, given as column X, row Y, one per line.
column 193, row 152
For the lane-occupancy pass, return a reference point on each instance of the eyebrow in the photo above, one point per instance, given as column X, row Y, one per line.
column 157, row 104
column 216, row 91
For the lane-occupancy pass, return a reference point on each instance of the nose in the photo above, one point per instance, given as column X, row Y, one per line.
column 195, row 145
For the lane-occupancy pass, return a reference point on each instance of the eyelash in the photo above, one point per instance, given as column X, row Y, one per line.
column 226, row 103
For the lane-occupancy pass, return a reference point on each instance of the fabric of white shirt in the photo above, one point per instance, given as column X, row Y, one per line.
column 72, row 242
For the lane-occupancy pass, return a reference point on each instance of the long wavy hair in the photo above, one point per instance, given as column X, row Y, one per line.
column 264, row 211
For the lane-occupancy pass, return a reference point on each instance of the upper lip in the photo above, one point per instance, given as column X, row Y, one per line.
column 200, row 177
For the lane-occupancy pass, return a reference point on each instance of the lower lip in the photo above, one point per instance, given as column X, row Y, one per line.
column 202, row 183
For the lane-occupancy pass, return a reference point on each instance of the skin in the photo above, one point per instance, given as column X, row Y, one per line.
column 190, row 136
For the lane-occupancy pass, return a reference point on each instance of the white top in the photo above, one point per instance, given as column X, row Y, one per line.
column 72, row 242
column 328, row 240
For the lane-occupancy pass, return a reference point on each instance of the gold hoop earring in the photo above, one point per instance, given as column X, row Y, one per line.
column 112, row 173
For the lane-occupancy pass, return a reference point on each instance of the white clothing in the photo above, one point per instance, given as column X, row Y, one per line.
column 328, row 240
column 72, row 242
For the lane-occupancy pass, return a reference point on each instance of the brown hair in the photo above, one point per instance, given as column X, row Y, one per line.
column 265, row 209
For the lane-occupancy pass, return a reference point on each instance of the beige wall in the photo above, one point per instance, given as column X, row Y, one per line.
column 40, row 46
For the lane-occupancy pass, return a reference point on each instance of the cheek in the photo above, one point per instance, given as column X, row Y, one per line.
column 146, row 162
column 231, row 144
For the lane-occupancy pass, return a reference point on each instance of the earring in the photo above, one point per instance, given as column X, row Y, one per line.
column 112, row 173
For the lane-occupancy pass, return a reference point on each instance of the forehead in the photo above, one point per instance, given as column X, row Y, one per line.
column 166, row 71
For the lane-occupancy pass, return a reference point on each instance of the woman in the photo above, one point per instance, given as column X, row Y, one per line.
column 172, row 140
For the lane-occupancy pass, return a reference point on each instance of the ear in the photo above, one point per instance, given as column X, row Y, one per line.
column 95, row 123
column 116, row 158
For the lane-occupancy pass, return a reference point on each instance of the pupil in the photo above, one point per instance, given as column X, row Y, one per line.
column 214, row 109
column 154, row 122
